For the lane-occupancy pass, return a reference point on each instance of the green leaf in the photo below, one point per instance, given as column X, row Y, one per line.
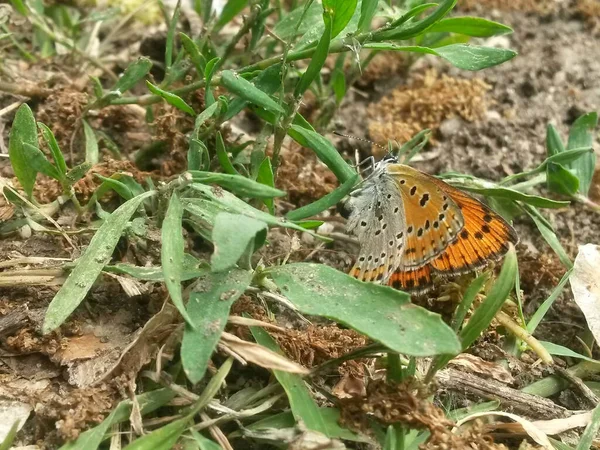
column 341, row 12
column 591, row 431
column 265, row 176
column 338, row 83
column 19, row 5
column 330, row 417
column 302, row 404
column 204, row 443
column 248, row 91
column 209, row 305
column 55, row 151
column 582, row 135
column 511, row 194
column 324, row 150
column 134, row 73
column 554, row 144
column 399, row 32
column 7, row 442
column 148, row 402
column 268, row 82
column 113, row 183
column 367, row 12
column 23, row 132
column 172, row 252
column 561, row 180
column 231, row 236
column 380, row 312
column 38, row 161
column 545, row 307
column 559, row 350
column 470, row 26
column 171, row 35
column 171, row 99
column 463, row 56
column 549, row 236
column 238, row 184
column 78, row 172
column 90, row 264
column 91, row 144
column 190, row 269
column 231, row 9
column 325, row 202
column 318, row 59
column 163, row 438
column 223, row 157
column 468, row 298
column 194, row 53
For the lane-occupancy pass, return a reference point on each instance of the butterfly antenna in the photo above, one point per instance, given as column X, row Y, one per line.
column 349, row 136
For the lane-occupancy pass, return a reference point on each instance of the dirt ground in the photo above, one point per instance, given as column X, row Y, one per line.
column 489, row 124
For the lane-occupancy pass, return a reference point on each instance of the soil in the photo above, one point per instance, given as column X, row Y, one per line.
column 489, row 124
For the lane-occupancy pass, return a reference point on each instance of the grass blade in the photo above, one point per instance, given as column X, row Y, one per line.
column 57, row 155
column 318, row 59
column 172, row 99
column 133, row 74
column 540, row 313
column 91, row 144
column 172, row 252
column 248, row 91
column 209, row 306
column 238, row 184
column 90, row 264
column 590, row 431
column 380, row 312
column 470, row 26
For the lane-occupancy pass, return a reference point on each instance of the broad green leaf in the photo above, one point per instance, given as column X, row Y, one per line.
column 163, row 438
column 194, row 53
column 23, row 131
column 172, row 252
column 582, row 135
column 78, row 172
column 231, row 9
column 330, row 416
column 470, row 26
column 171, row 99
column 197, row 153
column 238, row 184
column 223, row 157
column 561, row 180
column 324, row 150
column 380, row 312
column 57, row 155
column 231, row 236
column 39, row 162
column 341, row 12
column 325, row 202
column 302, row 404
column 90, row 264
column 148, row 402
column 588, row 436
column 463, row 56
column 91, row 144
column 209, row 305
column 318, row 59
column 367, row 12
column 554, row 144
column 559, row 350
column 248, row 91
column 545, row 307
column 134, row 73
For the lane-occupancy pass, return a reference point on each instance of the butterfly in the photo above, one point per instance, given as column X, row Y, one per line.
column 411, row 226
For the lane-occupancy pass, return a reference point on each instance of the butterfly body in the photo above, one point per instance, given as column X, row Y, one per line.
column 411, row 226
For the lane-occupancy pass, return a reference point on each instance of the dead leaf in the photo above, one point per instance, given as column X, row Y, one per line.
column 535, row 433
column 11, row 412
column 478, row 366
column 585, row 285
column 80, row 347
column 551, row 427
column 260, row 355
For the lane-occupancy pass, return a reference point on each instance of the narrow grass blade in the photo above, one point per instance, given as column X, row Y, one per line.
column 23, row 132
column 57, row 155
column 92, row 438
column 590, row 432
column 318, row 59
column 463, row 56
column 232, row 235
column 367, row 12
column 470, row 26
column 325, row 202
column 302, row 404
column 163, row 438
column 8, row 440
column 223, row 157
column 194, row 53
column 380, row 312
column 398, row 32
column 265, row 176
column 324, row 150
column 209, row 306
column 549, row 236
column 90, row 264
column 238, row 184
column 559, row 350
column 91, row 144
column 172, row 252
column 582, row 135
column 540, row 313
column 171, row 99
column 171, row 35
column 467, row 301
column 248, row 91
